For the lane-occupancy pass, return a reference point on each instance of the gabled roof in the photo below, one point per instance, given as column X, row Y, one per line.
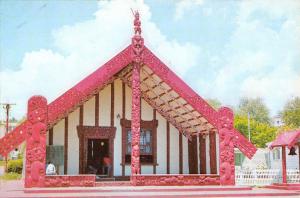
column 288, row 139
column 160, row 87
column 86, row 88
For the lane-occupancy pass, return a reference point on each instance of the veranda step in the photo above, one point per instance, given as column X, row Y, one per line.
column 283, row 187
column 169, row 191
column 287, row 184
column 113, row 187
column 112, row 183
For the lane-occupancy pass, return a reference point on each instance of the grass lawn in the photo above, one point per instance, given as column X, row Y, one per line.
column 11, row 176
column 2, row 163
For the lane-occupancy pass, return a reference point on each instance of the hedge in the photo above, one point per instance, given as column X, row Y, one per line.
column 15, row 166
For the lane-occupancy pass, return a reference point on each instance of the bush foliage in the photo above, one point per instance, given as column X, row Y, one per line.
column 15, row 166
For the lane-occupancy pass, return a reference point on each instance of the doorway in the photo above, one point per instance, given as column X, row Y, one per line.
column 97, row 150
column 91, row 152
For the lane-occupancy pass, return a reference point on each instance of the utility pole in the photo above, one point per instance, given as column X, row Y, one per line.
column 7, row 107
column 249, row 137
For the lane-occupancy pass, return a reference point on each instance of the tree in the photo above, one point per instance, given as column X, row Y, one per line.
column 291, row 113
column 257, row 109
column 215, row 103
column 261, row 133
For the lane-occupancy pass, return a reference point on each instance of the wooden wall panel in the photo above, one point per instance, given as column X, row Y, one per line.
column 202, row 153
column 193, row 156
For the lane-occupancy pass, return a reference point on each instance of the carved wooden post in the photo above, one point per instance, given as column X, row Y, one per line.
column 227, row 173
column 135, row 124
column 137, row 52
column 36, row 142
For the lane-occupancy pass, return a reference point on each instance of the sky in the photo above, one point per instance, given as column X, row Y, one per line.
column 223, row 49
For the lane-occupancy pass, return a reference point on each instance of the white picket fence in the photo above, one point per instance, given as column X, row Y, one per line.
column 262, row 177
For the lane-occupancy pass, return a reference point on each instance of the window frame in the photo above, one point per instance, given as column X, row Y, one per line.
column 147, row 125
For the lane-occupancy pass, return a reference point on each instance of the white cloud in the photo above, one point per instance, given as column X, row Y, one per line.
column 82, row 48
column 183, row 6
column 261, row 60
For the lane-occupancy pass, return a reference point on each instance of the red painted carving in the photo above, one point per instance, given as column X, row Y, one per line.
column 36, row 142
column 242, row 143
column 174, row 180
column 226, row 135
column 70, row 180
column 137, row 51
column 13, row 139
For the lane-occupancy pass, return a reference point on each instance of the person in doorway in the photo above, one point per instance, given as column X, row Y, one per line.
column 15, row 154
column 106, row 165
column 50, row 170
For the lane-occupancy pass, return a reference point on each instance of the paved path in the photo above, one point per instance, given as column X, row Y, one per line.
column 14, row 189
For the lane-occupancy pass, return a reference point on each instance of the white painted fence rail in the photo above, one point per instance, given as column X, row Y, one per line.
column 262, row 177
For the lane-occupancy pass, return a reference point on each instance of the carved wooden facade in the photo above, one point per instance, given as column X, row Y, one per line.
column 151, row 80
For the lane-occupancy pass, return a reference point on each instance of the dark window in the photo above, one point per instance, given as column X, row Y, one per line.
column 146, row 154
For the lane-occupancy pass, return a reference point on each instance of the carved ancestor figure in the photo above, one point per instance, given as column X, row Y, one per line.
column 137, row 23
column 36, row 142
column 226, row 146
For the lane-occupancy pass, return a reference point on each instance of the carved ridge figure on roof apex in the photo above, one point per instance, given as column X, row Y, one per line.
column 137, row 23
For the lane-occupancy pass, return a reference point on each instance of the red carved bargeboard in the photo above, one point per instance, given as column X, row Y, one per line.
column 174, row 180
column 70, row 180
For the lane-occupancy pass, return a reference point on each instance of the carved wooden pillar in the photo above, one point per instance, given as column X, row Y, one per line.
column 137, row 55
column 283, row 164
column 193, row 156
column 202, row 153
column 36, row 142
column 227, row 173
column 135, row 124
column 212, row 152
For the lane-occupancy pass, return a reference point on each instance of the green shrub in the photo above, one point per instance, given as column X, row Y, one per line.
column 15, row 166
column 11, row 176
